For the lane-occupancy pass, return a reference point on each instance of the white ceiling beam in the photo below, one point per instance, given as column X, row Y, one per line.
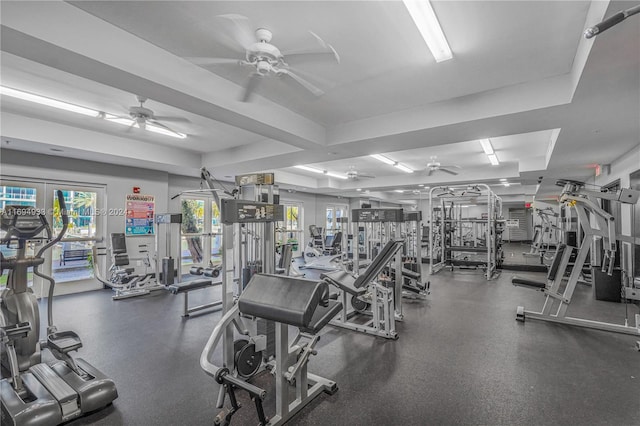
column 50, row 31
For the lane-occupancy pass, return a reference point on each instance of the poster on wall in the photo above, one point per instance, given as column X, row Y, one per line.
column 140, row 210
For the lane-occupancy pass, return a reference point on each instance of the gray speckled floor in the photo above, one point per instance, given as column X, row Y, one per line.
column 461, row 359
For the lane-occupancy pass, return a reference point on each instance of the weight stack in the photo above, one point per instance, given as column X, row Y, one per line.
column 167, row 270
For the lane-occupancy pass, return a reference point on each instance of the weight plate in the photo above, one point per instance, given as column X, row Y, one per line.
column 248, row 361
column 358, row 304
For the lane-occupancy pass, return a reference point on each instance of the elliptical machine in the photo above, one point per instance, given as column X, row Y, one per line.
column 37, row 392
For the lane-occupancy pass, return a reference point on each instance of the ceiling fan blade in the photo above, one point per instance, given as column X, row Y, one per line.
column 200, row 60
column 310, row 55
column 235, row 31
column 323, row 52
column 311, row 77
column 429, row 172
column 366, row 176
column 450, row 166
column 451, row 172
column 252, row 84
column 172, row 119
column 304, row 83
column 158, row 124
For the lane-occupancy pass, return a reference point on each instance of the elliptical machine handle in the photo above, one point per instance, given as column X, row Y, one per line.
column 63, row 210
column 65, row 225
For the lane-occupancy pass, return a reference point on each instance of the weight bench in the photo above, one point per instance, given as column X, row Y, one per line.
column 357, row 285
column 551, row 275
column 382, row 324
column 288, row 301
column 191, row 285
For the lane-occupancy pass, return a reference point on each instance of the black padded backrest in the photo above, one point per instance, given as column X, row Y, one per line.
column 118, row 243
column 378, row 263
column 337, row 240
column 315, row 231
column 553, row 269
column 283, row 299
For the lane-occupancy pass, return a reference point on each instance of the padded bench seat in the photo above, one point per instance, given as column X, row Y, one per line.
column 187, row 286
column 191, row 285
column 410, row 274
column 528, row 283
column 344, row 281
column 321, row 317
column 288, row 300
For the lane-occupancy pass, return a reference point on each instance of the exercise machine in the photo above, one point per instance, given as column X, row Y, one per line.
column 370, row 294
column 37, row 392
column 412, row 278
column 597, row 225
column 321, row 256
column 122, row 278
column 465, row 242
column 545, row 234
column 260, row 307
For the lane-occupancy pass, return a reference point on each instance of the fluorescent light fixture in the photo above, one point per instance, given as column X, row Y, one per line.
column 26, row 96
column 486, row 145
column 335, row 175
column 384, row 159
column 54, row 103
column 398, row 190
column 403, row 168
column 503, row 180
column 422, row 184
column 427, row 22
column 319, row 171
column 493, row 159
column 506, row 184
column 310, row 169
column 358, row 189
column 150, row 127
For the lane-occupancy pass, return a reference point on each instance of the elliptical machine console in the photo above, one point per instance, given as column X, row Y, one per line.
column 37, row 392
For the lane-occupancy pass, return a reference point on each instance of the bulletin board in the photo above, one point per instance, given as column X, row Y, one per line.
column 140, row 210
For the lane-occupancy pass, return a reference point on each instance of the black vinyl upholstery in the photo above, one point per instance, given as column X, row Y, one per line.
column 283, row 299
column 528, row 283
column 190, row 285
column 344, row 281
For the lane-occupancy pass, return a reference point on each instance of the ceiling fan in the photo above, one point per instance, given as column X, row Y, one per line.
column 434, row 166
column 353, row 174
column 236, row 32
column 142, row 116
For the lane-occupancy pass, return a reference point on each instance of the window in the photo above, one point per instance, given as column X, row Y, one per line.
column 216, row 235
column 69, row 261
column 334, row 213
column 72, row 258
column 193, row 224
column 290, row 231
column 201, row 242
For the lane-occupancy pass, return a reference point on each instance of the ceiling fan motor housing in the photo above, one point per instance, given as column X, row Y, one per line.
column 140, row 112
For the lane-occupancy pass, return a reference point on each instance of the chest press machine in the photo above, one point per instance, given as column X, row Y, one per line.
column 600, row 225
column 260, row 307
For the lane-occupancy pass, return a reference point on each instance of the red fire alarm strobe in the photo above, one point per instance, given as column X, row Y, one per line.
column 136, row 189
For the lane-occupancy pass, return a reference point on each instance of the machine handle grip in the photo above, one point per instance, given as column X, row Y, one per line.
column 63, row 208
column 604, row 25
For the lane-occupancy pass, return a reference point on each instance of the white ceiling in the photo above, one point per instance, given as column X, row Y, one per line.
column 520, row 70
